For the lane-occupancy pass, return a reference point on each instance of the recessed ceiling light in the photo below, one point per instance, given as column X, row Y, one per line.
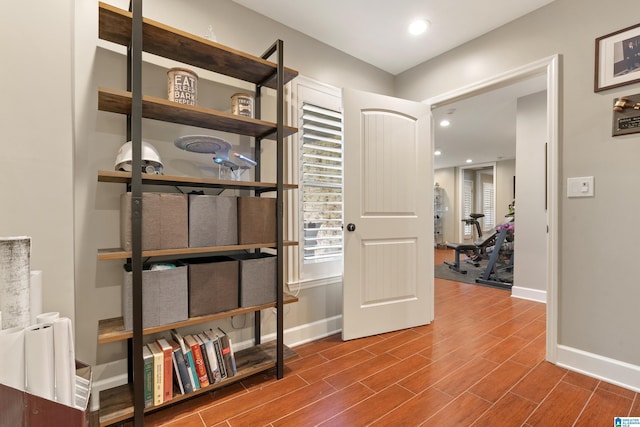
column 469, row 161
column 437, row 153
column 418, row 26
column 444, row 123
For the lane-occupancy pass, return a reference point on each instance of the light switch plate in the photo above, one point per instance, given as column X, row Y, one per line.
column 580, row 186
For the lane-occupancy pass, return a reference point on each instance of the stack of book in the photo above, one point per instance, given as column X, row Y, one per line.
column 185, row 364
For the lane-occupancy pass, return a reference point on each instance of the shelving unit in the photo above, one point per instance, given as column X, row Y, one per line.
column 130, row 29
column 437, row 216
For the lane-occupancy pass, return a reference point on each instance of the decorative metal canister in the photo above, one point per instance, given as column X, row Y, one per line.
column 183, row 86
column 242, row 104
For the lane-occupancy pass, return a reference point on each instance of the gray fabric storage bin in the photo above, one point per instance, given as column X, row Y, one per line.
column 257, row 279
column 164, row 221
column 213, row 285
column 164, row 297
column 213, row 220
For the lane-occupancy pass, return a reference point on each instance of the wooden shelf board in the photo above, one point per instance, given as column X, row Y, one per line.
column 119, row 101
column 119, row 253
column 116, row 404
column 168, row 42
column 187, row 181
column 112, row 330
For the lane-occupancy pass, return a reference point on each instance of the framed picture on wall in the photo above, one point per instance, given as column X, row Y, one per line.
column 617, row 59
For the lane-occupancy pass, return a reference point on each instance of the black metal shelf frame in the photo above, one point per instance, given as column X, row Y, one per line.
column 134, row 134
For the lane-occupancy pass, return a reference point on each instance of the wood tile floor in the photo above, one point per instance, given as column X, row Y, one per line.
column 481, row 363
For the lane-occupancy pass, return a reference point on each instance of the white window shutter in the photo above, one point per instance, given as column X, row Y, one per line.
column 487, row 205
column 321, row 183
column 467, row 206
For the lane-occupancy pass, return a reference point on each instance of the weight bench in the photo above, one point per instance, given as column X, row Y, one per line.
column 478, row 248
column 459, row 248
column 466, row 247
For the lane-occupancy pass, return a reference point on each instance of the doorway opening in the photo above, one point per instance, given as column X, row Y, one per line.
column 545, row 71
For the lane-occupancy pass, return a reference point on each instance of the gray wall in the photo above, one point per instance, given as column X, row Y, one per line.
column 250, row 32
column 597, row 290
column 36, row 165
column 530, row 271
column 505, row 171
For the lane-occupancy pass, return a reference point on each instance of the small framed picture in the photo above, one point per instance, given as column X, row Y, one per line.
column 617, row 59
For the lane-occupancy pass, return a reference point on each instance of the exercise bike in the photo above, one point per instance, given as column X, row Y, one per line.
column 499, row 269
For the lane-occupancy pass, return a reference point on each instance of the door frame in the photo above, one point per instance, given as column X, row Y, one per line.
column 550, row 67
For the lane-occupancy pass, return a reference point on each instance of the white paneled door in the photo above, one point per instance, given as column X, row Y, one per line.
column 388, row 211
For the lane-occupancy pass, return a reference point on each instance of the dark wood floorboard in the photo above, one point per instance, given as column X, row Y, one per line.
column 480, row 363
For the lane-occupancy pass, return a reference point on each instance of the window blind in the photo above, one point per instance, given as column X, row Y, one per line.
column 321, row 172
column 487, row 205
column 467, row 204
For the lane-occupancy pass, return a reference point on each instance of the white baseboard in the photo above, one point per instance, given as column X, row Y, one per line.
column 292, row 337
column 313, row 331
column 305, row 333
column 603, row 368
column 105, row 384
column 529, row 294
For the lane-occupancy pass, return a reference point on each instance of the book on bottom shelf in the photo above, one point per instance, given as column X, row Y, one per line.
column 180, row 370
column 218, row 350
column 212, row 358
column 227, row 354
column 193, row 376
column 167, row 375
column 148, row 376
column 205, row 357
column 201, row 370
column 234, row 368
column 158, row 372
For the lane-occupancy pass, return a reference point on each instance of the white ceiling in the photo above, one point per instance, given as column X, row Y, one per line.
column 483, row 127
column 375, row 31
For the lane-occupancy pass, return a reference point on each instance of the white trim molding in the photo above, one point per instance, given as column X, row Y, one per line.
column 603, row 368
column 105, row 384
column 313, row 331
column 529, row 294
column 302, row 334
column 300, row 285
column 303, row 89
